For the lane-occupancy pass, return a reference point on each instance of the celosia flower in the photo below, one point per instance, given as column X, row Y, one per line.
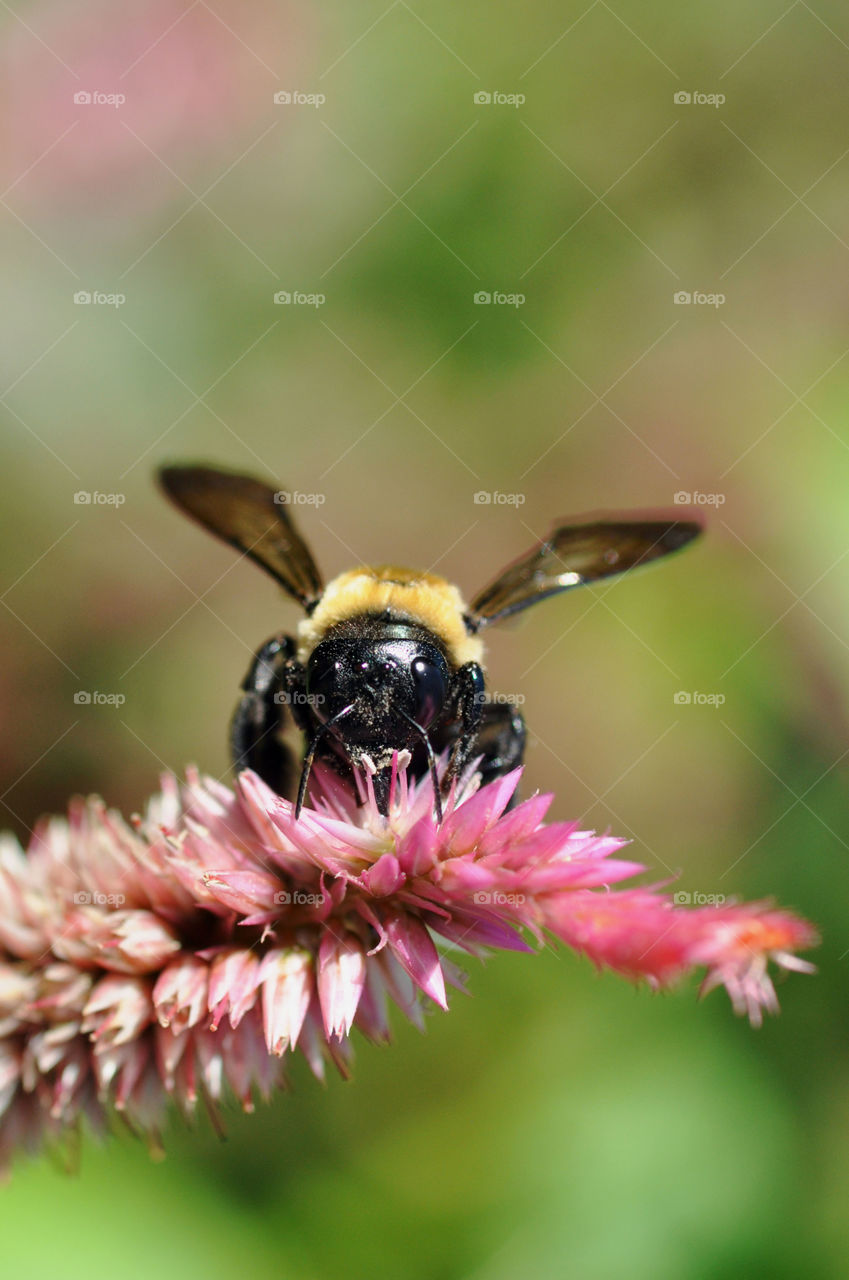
column 191, row 952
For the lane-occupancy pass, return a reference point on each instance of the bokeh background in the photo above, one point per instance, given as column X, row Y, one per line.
column 555, row 1124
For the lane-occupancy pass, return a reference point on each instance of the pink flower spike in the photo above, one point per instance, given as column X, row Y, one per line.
column 181, row 957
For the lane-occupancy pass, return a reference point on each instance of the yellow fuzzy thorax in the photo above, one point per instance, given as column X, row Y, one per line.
column 409, row 594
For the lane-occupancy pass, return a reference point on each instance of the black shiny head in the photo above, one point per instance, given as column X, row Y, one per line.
column 381, row 684
column 375, row 686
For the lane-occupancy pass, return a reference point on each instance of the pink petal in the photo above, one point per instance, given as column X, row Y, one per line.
column 180, row 993
column 372, row 1012
column 463, row 829
column 246, row 892
column 119, row 1068
column 170, row 1046
column 234, row 978
column 118, row 1010
column 384, row 878
column 418, row 849
column 341, row 977
column 413, row 947
column 287, row 987
column 473, row 932
column 516, row 825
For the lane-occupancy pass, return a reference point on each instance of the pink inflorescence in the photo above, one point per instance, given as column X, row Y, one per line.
column 188, row 953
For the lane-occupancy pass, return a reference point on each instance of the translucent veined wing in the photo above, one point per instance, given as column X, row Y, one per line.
column 250, row 516
column 573, row 555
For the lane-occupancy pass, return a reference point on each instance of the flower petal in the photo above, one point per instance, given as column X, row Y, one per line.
column 414, row 948
column 341, row 977
column 287, row 988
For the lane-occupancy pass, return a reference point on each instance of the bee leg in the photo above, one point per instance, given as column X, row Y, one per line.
column 260, row 716
column 295, row 695
column 500, row 741
column 468, row 695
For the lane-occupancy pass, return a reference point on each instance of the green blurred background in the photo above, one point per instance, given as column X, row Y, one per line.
column 555, row 1124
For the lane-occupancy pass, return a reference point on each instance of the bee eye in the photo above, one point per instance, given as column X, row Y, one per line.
column 323, row 688
column 429, row 686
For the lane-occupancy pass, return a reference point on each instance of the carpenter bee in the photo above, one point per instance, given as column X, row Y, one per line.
column 388, row 659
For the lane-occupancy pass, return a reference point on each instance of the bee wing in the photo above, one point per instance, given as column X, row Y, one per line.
column 573, row 555
column 244, row 513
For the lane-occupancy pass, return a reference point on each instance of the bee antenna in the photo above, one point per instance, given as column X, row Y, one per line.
column 310, row 755
column 431, row 761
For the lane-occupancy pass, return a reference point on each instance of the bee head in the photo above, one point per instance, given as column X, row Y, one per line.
column 383, row 693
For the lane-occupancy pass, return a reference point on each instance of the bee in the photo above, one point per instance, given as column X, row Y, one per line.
column 388, row 659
